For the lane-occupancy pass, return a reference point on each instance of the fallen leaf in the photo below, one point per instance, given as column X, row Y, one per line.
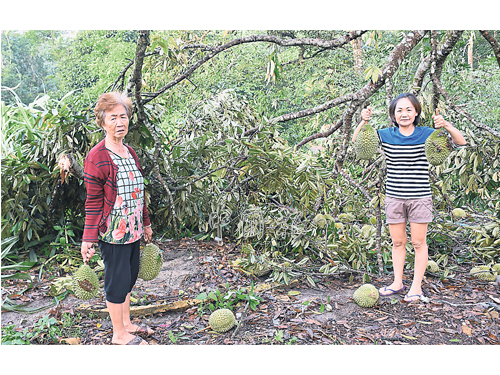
column 409, row 337
column 467, row 330
column 492, row 314
column 495, row 299
column 71, row 340
column 293, row 293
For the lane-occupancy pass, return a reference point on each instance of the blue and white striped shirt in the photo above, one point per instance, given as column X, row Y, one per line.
column 407, row 165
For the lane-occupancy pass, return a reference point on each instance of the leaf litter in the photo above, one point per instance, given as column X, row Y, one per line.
column 459, row 311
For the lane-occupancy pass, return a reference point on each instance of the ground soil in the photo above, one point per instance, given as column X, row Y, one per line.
column 460, row 310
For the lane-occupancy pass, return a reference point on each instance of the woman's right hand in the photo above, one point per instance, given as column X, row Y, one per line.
column 366, row 114
column 87, row 251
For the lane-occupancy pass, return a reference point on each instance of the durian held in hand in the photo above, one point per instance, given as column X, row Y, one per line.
column 366, row 142
column 438, row 146
column 85, row 283
column 150, row 262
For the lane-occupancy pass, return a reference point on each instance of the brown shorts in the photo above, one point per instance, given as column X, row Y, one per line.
column 413, row 210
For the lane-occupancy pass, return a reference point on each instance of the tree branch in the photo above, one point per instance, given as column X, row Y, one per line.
column 252, row 39
column 494, row 44
column 445, row 47
column 459, row 110
column 393, row 61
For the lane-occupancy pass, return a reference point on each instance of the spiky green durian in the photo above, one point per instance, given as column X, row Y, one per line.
column 150, row 262
column 222, row 320
column 366, row 295
column 366, row 143
column 458, row 212
column 484, row 273
column 496, row 267
column 437, row 147
column 320, row 221
column 85, row 283
column 432, row 266
column 346, row 218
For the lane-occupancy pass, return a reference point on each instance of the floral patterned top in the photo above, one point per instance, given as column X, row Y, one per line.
column 125, row 221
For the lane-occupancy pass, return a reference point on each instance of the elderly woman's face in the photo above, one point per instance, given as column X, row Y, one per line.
column 116, row 122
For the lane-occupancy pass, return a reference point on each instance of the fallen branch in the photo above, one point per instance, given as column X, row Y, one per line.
column 142, row 310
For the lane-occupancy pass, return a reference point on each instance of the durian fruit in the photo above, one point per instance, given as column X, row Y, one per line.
column 484, row 273
column 459, row 213
column 346, row 218
column 432, row 266
column 150, row 262
column 259, row 269
column 366, row 143
column 373, row 220
column 366, row 295
column 222, row 320
column 437, row 147
column 85, row 283
column 339, row 226
column 320, row 221
column 496, row 267
column 367, row 230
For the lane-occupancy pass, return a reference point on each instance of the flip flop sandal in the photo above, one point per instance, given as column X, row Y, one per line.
column 143, row 329
column 135, row 341
column 391, row 291
column 413, row 295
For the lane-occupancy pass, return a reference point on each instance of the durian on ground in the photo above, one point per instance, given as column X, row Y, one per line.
column 432, row 266
column 485, row 273
column 366, row 295
column 222, row 320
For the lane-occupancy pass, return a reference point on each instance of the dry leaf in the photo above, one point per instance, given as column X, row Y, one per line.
column 293, row 293
column 71, row 340
column 467, row 330
column 495, row 299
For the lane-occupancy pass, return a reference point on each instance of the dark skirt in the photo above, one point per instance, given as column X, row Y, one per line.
column 121, row 267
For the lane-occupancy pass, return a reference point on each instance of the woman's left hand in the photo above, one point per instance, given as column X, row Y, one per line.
column 148, row 234
column 440, row 122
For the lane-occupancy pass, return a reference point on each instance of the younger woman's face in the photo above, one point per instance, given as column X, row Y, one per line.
column 405, row 112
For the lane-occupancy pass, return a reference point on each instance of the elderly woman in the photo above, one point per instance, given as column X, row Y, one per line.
column 116, row 213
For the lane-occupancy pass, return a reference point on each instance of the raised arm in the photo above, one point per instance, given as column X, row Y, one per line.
column 365, row 115
column 456, row 135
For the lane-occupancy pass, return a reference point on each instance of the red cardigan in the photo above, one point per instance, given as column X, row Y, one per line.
column 100, row 181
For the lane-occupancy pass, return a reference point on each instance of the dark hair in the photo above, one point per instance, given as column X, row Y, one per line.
column 107, row 101
column 414, row 101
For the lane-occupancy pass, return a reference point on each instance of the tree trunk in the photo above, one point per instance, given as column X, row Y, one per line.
column 358, row 55
column 470, row 50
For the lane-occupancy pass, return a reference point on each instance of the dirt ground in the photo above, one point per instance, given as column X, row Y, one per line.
column 459, row 311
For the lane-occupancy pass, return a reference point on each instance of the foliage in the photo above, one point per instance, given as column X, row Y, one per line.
column 29, row 63
column 94, row 59
column 34, row 137
column 214, row 300
column 47, row 330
